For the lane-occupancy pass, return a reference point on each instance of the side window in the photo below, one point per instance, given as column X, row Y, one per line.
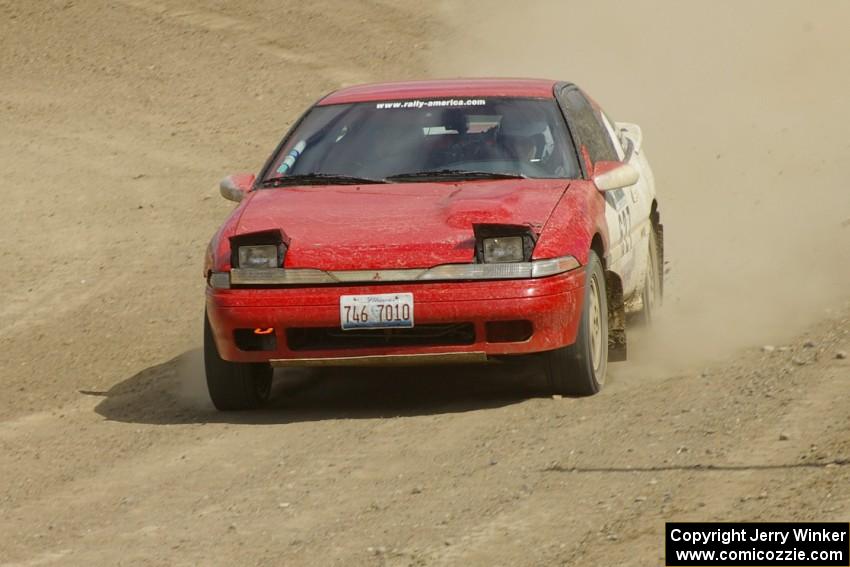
column 612, row 135
column 591, row 132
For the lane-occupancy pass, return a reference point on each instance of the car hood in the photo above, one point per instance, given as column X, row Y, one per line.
column 399, row 225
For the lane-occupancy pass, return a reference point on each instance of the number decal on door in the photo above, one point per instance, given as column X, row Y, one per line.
column 625, row 221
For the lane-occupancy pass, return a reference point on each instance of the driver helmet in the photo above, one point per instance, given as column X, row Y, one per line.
column 524, row 138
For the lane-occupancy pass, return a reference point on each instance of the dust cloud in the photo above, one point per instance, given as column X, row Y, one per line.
column 190, row 387
column 743, row 107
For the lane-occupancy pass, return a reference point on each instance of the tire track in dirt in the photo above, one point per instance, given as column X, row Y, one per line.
column 249, row 36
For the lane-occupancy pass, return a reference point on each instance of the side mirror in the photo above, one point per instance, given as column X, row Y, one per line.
column 611, row 175
column 234, row 187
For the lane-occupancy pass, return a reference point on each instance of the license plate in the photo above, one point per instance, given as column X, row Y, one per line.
column 380, row 311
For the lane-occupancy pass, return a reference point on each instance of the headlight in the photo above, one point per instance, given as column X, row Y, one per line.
column 503, row 249
column 264, row 256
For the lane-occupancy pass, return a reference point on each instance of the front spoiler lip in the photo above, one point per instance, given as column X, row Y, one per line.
column 386, row 360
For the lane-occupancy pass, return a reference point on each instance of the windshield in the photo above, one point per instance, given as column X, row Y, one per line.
column 521, row 137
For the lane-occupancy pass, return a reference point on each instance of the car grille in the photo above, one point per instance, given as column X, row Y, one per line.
column 326, row 338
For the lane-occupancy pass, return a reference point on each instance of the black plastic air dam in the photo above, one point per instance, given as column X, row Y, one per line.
column 330, row 338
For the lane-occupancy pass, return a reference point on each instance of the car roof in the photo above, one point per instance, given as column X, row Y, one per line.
column 536, row 88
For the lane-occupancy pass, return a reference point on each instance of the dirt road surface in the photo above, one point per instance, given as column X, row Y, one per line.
column 117, row 118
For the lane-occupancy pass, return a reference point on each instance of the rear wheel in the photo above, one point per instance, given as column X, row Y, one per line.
column 234, row 385
column 579, row 369
column 651, row 295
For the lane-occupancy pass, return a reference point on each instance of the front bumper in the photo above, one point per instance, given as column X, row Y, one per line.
column 552, row 305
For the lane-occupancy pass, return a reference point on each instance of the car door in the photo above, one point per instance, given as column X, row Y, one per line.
column 596, row 145
column 640, row 202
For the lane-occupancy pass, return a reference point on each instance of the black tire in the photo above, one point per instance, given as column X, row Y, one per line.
column 234, row 386
column 651, row 295
column 579, row 369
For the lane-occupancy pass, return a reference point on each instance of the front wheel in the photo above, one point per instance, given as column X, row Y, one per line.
column 234, row 385
column 579, row 369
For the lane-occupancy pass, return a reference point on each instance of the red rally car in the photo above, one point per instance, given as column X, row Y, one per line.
column 431, row 222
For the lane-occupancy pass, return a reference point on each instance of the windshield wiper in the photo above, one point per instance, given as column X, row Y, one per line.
column 317, row 179
column 455, row 174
